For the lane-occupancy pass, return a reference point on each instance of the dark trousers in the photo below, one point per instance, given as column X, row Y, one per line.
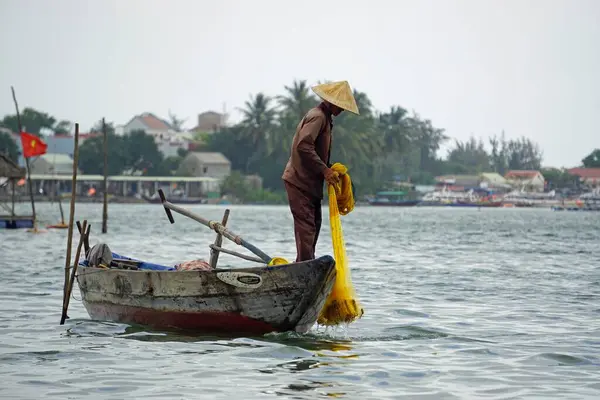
column 306, row 211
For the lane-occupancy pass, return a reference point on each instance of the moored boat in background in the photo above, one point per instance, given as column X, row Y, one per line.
column 394, row 198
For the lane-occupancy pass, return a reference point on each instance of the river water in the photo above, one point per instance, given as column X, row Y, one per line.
column 459, row 304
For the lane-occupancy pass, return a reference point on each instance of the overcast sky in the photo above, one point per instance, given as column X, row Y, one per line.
column 472, row 66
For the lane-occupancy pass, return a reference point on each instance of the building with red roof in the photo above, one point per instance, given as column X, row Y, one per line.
column 527, row 179
column 588, row 176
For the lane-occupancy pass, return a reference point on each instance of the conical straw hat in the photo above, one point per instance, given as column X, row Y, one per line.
column 338, row 93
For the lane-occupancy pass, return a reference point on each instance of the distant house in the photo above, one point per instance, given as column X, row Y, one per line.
column 214, row 165
column 167, row 139
column 487, row 180
column 210, row 122
column 527, row 179
column 149, row 123
column 588, row 176
column 63, row 144
column 170, row 145
column 494, row 180
column 52, row 164
column 462, row 181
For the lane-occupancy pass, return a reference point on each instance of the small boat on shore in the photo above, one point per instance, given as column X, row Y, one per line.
column 447, row 198
column 196, row 295
column 589, row 201
column 521, row 198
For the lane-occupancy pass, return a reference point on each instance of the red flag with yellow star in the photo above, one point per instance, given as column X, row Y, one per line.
column 32, row 145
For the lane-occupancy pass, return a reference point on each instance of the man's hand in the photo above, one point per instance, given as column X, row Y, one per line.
column 331, row 176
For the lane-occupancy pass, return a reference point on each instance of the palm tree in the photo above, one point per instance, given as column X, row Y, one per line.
column 395, row 129
column 427, row 139
column 297, row 100
column 258, row 121
column 258, row 118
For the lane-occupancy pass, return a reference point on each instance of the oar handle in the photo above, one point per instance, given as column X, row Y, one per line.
column 213, row 225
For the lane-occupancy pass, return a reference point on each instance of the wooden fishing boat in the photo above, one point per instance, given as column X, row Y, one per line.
column 263, row 299
column 237, row 300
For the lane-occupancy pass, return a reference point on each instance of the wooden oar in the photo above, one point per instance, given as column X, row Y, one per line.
column 214, row 225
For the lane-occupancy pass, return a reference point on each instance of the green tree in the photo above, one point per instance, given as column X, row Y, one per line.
column 34, row 121
column 63, row 127
column 135, row 152
column 9, row 147
column 98, row 127
column 142, row 154
column 257, row 126
column 471, row 155
column 519, row 154
column 298, row 99
column 175, row 122
column 235, row 185
column 91, row 155
column 592, row 160
column 559, row 178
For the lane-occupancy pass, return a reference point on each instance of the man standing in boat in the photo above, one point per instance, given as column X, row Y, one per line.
column 309, row 164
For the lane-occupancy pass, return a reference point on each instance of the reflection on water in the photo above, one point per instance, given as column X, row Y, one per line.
column 309, row 341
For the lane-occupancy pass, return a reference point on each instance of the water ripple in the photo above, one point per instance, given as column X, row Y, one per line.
column 490, row 304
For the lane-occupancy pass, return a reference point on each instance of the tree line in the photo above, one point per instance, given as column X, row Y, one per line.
column 378, row 147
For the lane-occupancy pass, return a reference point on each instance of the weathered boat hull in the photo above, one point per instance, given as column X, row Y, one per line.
column 246, row 300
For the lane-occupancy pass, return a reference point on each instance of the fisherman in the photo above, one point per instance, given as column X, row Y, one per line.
column 309, row 164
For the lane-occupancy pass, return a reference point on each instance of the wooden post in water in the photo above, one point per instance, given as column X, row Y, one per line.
column 105, row 203
column 85, row 231
column 12, row 186
column 62, row 214
column 57, row 197
column 26, row 162
column 71, row 217
column 214, row 253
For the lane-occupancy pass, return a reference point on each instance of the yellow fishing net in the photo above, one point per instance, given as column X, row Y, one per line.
column 341, row 306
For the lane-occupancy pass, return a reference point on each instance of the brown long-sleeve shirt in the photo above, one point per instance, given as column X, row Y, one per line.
column 310, row 152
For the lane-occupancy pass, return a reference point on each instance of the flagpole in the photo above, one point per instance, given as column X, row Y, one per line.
column 105, row 200
column 26, row 162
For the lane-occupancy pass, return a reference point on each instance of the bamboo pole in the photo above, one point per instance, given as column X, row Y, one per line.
column 69, row 289
column 105, row 203
column 235, row 253
column 71, row 213
column 86, row 241
column 62, row 214
column 214, row 253
column 12, row 209
column 14, row 96
column 214, row 225
column 57, row 198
